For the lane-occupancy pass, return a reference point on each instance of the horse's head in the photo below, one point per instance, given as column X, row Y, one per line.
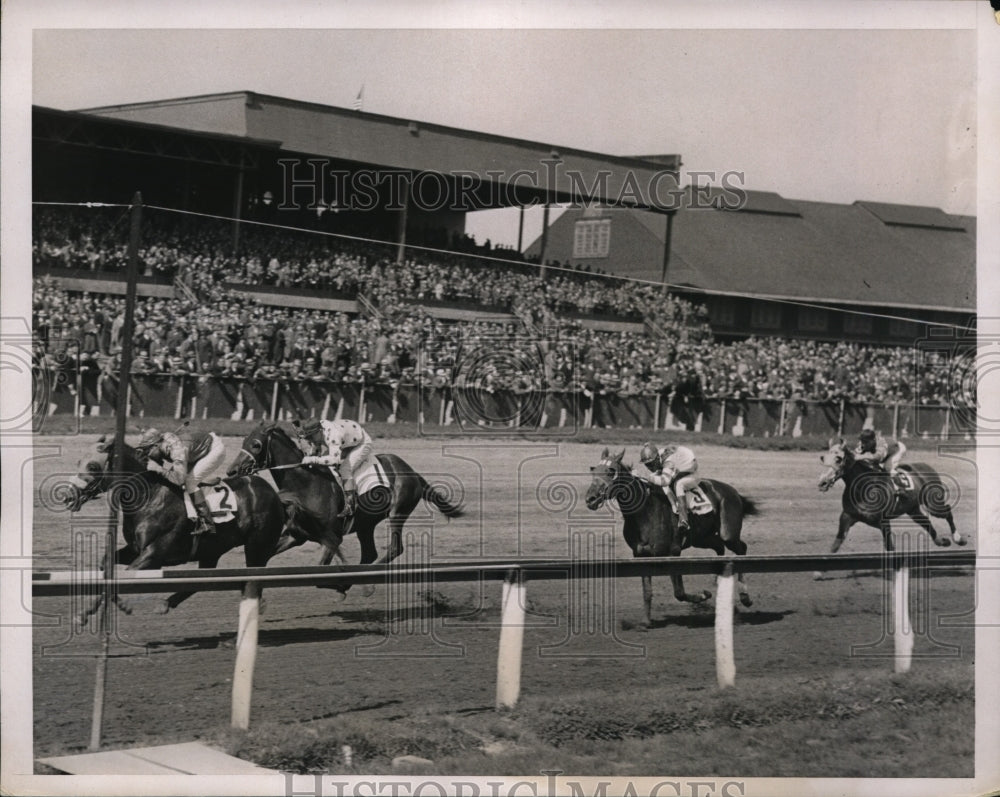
column 91, row 477
column 607, row 473
column 836, row 458
column 266, row 446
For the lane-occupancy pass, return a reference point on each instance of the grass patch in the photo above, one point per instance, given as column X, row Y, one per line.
column 843, row 725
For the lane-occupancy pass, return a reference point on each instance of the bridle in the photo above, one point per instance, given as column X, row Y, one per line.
column 250, row 463
column 836, row 471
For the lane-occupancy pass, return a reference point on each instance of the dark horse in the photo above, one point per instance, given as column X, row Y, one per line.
column 651, row 525
column 155, row 523
column 871, row 497
column 313, row 497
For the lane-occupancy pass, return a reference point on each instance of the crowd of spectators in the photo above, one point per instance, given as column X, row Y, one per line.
column 226, row 333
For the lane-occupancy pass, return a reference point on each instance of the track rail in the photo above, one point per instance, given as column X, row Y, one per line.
column 58, row 583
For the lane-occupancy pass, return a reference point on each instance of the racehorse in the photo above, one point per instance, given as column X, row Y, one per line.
column 871, row 497
column 313, row 497
column 651, row 524
column 155, row 522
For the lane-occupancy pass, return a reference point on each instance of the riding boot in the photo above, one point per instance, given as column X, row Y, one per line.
column 350, row 503
column 683, row 526
column 205, row 523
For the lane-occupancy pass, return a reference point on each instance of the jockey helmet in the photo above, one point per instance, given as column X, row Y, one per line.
column 649, row 456
column 149, row 437
column 867, row 439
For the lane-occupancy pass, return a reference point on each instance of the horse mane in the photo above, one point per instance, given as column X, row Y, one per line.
column 135, row 466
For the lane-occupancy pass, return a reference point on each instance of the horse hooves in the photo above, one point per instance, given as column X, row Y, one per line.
column 367, row 590
column 338, row 595
column 162, row 607
column 817, row 575
column 745, row 599
column 942, row 542
column 960, row 541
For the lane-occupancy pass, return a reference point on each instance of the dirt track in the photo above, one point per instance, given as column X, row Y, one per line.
column 405, row 648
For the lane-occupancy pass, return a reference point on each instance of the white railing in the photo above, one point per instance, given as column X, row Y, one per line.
column 514, row 574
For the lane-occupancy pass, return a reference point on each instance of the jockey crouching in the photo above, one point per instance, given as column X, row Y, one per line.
column 873, row 447
column 348, row 447
column 168, row 456
column 673, row 464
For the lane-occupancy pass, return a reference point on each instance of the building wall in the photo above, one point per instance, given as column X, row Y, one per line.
column 629, row 243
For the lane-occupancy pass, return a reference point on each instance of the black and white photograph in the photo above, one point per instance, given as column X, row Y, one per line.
column 500, row 399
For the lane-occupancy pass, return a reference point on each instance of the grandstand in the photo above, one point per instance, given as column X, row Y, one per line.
column 239, row 283
column 866, row 272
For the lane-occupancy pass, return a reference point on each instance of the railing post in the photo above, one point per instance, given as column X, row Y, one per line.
column 656, row 412
column 725, row 663
column 179, row 405
column 246, row 655
column 901, row 629
column 781, row 417
column 511, row 640
column 895, row 420
column 274, row 401
column 722, row 416
column 840, row 420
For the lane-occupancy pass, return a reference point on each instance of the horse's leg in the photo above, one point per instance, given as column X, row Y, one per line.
column 366, row 536
column 887, row 540
column 689, row 597
column 945, row 515
column 738, row 547
column 395, row 548
column 340, row 587
column 924, row 522
column 647, row 601
column 846, row 521
column 177, row 598
column 123, row 556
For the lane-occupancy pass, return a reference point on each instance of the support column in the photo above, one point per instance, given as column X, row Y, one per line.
column 246, row 655
column 403, row 217
column 725, row 662
column 511, row 641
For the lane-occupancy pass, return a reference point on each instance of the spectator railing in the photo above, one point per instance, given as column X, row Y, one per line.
column 477, row 410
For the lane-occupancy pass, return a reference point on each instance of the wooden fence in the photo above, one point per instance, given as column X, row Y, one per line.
column 515, row 575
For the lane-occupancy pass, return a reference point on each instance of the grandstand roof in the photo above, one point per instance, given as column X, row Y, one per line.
column 864, row 253
column 411, row 145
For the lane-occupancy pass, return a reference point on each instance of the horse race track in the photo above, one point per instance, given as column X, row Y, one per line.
column 430, row 652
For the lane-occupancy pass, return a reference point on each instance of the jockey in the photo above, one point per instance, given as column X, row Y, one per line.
column 873, row 447
column 340, row 438
column 672, row 464
column 168, row 456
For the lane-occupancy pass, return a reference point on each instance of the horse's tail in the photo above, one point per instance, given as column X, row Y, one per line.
column 436, row 498
column 750, row 506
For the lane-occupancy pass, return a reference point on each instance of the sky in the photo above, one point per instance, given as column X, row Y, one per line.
column 823, row 115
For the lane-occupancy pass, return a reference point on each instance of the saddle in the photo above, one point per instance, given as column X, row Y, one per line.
column 698, row 502
column 903, row 480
